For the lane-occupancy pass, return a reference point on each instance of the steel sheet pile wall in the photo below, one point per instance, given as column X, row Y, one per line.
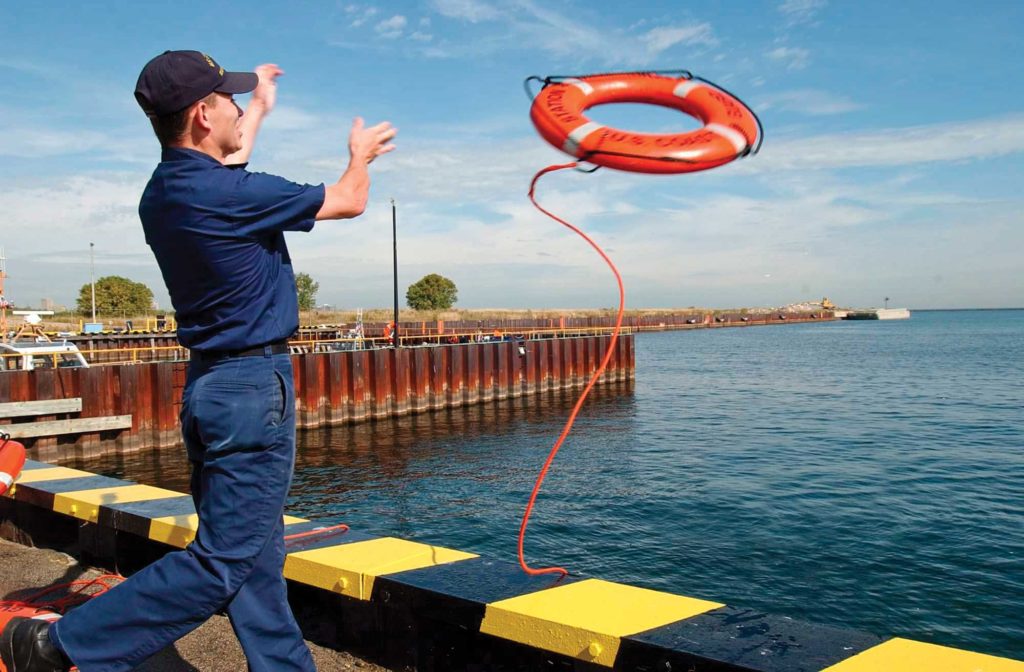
column 332, row 388
column 354, row 386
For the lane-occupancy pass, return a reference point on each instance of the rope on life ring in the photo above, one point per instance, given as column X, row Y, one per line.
column 730, row 130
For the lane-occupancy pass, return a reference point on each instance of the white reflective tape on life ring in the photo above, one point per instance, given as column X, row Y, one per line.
column 6, row 479
column 738, row 140
column 686, row 155
column 685, row 88
column 576, row 137
column 587, row 89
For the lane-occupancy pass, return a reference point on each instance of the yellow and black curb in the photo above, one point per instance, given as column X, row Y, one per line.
column 433, row 608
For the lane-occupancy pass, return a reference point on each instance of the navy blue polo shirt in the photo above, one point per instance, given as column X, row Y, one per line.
column 218, row 235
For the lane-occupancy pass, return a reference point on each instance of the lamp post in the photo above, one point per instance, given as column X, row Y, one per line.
column 92, row 280
column 394, row 254
column 887, row 303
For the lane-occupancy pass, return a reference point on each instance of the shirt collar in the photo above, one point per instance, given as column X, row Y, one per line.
column 182, row 154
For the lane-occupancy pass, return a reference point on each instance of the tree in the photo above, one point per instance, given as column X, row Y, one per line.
column 116, row 296
column 432, row 292
column 307, row 288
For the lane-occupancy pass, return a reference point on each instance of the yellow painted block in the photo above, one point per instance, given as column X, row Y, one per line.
column 180, row 530
column 51, row 474
column 350, row 569
column 587, row 619
column 905, row 655
column 177, row 531
column 85, row 504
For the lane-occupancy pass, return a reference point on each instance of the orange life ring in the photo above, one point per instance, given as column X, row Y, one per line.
column 730, row 128
column 12, row 459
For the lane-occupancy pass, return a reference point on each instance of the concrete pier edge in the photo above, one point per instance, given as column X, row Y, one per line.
column 416, row 606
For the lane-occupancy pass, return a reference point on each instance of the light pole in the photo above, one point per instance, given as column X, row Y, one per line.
column 887, row 303
column 394, row 245
column 92, row 280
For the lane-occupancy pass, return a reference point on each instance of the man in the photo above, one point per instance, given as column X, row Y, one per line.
column 217, row 233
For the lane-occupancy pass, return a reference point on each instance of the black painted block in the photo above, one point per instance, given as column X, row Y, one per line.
column 733, row 639
column 459, row 592
column 136, row 517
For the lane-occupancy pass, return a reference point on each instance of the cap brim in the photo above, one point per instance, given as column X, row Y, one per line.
column 238, row 82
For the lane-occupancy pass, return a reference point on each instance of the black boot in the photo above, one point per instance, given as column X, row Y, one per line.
column 25, row 646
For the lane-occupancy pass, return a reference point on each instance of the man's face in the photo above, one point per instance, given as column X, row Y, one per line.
column 224, row 116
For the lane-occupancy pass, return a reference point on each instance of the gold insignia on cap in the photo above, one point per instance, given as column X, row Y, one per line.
column 211, row 63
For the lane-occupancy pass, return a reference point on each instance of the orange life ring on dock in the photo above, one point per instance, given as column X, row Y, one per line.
column 12, row 459
column 730, row 130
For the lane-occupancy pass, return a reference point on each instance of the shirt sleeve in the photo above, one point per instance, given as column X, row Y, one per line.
column 269, row 204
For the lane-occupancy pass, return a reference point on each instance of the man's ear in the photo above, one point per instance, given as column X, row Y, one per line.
column 200, row 117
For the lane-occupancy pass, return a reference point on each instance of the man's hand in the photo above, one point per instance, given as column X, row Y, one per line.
column 260, row 104
column 347, row 197
column 366, row 144
column 265, row 93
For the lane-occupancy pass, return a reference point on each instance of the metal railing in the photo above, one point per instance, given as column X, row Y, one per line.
column 154, row 353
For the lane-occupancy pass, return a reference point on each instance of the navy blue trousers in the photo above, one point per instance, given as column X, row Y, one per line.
column 238, row 421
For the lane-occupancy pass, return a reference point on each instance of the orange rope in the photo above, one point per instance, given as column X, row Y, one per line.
column 593, row 379
column 319, row 530
column 72, row 593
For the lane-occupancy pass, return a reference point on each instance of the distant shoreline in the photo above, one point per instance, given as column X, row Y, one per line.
column 957, row 310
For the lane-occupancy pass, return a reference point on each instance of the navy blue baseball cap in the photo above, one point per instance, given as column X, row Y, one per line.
column 175, row 79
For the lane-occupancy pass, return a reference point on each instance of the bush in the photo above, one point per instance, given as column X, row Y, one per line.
column 432, row 292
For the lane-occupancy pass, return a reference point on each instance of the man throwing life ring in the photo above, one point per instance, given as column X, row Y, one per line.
column 217, row 231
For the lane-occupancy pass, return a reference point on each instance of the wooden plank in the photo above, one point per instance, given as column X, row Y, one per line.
column 28, row 430
column 17, row 409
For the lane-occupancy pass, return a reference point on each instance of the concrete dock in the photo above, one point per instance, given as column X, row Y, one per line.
column 210, row 648
column 415, row 606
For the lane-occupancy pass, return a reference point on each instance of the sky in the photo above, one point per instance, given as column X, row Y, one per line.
column 891, row 165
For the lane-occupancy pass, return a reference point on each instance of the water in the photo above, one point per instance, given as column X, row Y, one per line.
column 860, row 474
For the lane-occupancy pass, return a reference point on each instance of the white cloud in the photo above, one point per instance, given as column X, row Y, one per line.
column 68, row 214
column 811, row 102
column 948, row 142
column 391, row 28
column 530, row 25
column 793, row 58
column 42, row 141
column 791, row 225
column 473, row 11
column 23, row 143
column 660, row 39
column 360, row 14
column 800, row 11
column 289, row 118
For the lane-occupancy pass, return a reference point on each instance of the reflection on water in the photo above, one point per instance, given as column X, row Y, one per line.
column 377, row 473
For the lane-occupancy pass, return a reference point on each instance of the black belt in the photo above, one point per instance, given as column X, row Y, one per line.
column 278, row 348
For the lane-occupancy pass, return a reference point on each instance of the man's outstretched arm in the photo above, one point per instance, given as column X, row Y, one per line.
column 262, row 102
column 347, row 197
